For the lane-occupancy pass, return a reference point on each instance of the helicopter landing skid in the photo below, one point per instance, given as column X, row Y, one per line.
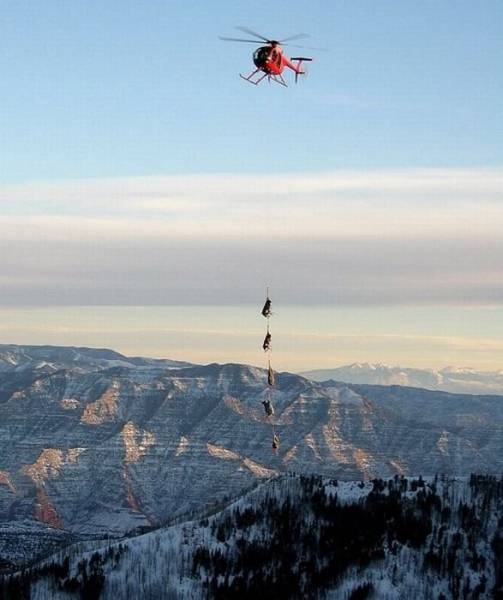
column 276, row 78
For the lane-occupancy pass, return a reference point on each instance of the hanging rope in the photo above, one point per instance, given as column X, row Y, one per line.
column 266, row 346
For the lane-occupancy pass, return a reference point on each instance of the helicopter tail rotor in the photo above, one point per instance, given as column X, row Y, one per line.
column 300, row 69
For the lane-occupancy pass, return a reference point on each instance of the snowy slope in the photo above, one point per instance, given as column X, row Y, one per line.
column 52, row 358
column 405, row 538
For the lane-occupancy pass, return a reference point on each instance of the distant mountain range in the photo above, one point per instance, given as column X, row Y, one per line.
column 53, row 358
column 93, row 443
column 451, row 379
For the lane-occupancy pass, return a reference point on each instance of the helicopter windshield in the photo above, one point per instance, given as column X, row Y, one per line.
column 260, row 56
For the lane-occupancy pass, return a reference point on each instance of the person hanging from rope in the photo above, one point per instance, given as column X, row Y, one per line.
column 271, row 380
column 267, row 341
column 266, row 346
column 268, row 407
column 266, row 311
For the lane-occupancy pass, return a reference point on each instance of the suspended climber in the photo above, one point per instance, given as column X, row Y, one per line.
column 268, row 407
column 266, row 311
column 267, row 341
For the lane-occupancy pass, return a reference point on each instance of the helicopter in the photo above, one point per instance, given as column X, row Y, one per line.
column 270, row 60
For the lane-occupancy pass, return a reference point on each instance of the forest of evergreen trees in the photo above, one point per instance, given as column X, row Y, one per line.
column 86, row 584
column 300, row 539
column 308, row 541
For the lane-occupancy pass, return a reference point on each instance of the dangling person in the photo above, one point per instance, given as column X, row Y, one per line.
column 266, row 311
column 267, row 342
column 270, row 376
column 268, row 407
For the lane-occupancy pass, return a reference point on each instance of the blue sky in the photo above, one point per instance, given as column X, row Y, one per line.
column 138, row 170
column 127, row 88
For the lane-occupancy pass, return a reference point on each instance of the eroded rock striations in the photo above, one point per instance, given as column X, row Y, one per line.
column 94, row 443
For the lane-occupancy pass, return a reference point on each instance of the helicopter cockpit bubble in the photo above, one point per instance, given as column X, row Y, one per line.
column 260, row 56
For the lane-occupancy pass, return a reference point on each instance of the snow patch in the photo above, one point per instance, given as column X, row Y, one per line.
column 183, row 444
column 69, row 403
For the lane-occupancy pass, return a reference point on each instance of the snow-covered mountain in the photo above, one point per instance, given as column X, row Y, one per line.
column 52, row 358
column 299, row 537
column 91, row 449
column 450, row 379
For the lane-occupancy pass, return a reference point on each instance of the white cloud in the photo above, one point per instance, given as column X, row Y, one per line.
column 416, row 181
column 351, row 237
column 451, row 202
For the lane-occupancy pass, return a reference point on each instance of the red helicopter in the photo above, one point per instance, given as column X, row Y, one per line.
column 270, row 59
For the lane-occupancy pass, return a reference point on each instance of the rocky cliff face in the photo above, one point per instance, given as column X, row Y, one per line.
column 92, row 442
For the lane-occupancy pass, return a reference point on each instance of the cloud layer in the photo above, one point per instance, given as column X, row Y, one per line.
column 417, row 236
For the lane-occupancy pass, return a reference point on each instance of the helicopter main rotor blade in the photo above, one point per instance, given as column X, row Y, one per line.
column 227, row 39
column 295, row 37
column 251, row 32
column 306, row 47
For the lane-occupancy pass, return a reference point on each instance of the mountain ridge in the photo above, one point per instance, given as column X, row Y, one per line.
column 38, row 356
column 296, row 537
column 95, row 450
column 448, row 379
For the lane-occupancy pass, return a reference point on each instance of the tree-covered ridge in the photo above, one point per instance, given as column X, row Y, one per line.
column 308, row 542
column 302, row 537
